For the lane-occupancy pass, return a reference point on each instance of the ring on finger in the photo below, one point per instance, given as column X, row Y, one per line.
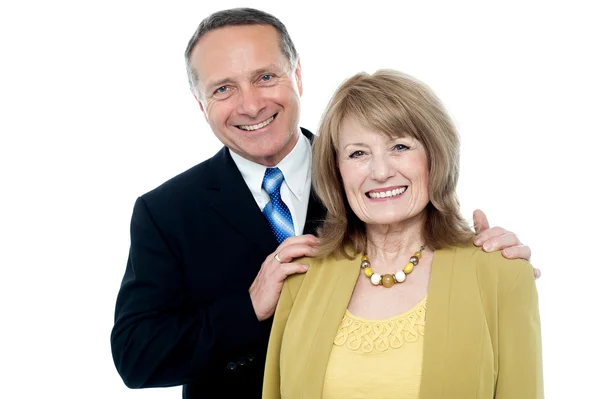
column 277, row 258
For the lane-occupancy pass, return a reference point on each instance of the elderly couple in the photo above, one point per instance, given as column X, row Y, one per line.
column 332, row 266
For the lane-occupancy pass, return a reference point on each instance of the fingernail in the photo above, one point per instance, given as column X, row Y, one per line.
column 305, row 267
column 478, row 242
column 487, row 246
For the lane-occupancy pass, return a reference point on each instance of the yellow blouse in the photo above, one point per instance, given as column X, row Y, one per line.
column 377, row 358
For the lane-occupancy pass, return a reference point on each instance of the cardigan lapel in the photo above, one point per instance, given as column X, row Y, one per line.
column 455, row 329
column 437, row 323
column 342, row 276
column 456, row 332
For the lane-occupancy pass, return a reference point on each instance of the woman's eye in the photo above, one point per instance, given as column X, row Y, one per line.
column 356, row 154
column 400, row 147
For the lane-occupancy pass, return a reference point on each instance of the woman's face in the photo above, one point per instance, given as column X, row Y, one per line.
column 385, row 180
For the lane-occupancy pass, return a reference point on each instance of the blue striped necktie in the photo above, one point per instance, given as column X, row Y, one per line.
column 277, row 213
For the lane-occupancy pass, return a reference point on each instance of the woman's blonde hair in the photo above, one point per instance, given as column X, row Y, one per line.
column 396, row 105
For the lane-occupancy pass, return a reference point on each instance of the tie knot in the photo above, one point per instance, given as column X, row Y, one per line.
column 272, row 180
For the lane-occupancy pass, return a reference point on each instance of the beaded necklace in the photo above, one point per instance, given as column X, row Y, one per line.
column 388, row 280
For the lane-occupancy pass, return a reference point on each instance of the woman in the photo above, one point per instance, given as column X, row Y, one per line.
column 400, row 304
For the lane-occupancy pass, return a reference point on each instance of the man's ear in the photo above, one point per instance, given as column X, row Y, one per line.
column 298, row 74
column 202, row 106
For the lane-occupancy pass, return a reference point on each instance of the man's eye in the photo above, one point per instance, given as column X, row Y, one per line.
column 221, row 90
column 266, row 78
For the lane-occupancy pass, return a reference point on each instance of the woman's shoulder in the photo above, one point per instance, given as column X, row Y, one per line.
column 492, row 267
column 318, row 268
column 294, row 281
column 479, row 257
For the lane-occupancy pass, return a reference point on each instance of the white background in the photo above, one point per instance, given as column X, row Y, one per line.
column 95, row 110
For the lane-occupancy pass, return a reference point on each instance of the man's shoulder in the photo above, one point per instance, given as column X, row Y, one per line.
column 187, row 183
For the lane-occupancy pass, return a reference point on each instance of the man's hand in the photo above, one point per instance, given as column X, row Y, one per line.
column 266, row 288
column 497, row 238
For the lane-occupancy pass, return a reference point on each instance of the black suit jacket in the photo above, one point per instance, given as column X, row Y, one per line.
column 183, row 313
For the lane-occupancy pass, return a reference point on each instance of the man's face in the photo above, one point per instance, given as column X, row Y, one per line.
column 248, row 91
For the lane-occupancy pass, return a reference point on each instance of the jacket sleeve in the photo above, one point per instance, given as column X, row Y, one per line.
column 519, row 339
column 272, row 379
column 158, row 338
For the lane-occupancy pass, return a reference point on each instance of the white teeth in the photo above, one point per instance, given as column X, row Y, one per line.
column 386, row 194
column 254, row 127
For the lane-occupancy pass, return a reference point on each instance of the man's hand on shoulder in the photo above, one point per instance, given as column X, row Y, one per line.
column 266, row 288
column 500, row 239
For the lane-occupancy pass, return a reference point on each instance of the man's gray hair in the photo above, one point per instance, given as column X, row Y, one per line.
column 238, row 17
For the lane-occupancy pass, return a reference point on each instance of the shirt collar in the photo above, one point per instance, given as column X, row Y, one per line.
column 295, row 167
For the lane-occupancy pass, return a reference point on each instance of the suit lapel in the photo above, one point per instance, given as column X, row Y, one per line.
column 230, row 197
column 315, row 214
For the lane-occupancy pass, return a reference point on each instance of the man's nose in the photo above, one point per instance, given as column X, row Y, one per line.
column 251, row 102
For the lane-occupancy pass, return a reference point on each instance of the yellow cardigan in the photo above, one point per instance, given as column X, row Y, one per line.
column 482, row 331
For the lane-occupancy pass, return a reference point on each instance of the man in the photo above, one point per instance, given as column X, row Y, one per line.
column 211, row 247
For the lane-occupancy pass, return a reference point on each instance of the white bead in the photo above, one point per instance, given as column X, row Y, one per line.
column 400, row 276
column 376, row 278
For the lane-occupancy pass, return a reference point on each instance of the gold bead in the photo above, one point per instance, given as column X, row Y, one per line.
column 365, row 258
column 418, row 254
column 368, row 271
column 387, row 280
column 414, row 260
column 408, row 268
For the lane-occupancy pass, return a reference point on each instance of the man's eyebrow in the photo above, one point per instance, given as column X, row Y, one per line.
column 261, row 71
column 269, row 68
column 218, row 83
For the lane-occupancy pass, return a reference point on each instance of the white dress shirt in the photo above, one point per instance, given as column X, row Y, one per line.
column 295, row 189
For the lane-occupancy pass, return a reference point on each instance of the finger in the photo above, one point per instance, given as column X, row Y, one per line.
column 306, row 239
column 490, row 234
column 287, row 269
column 517, row 252
column 498, row 243
column 296, row 251
column 480, row 221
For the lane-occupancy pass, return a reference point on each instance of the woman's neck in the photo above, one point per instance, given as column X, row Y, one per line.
column 391, row 243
